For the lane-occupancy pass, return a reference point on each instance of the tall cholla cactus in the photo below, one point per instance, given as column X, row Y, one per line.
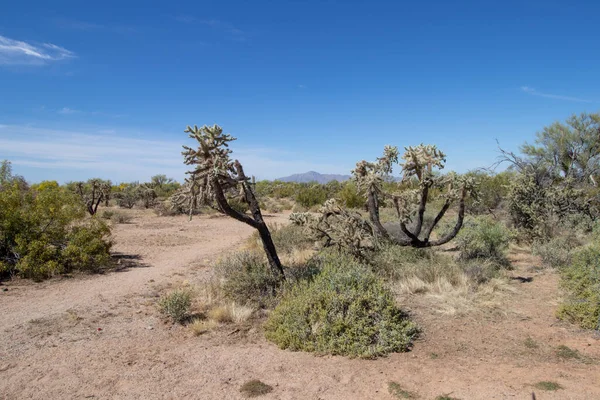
column 419, row 164
column 342, row 228
column 214, row 177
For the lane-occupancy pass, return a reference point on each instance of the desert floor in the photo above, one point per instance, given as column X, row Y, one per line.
column 101, row 336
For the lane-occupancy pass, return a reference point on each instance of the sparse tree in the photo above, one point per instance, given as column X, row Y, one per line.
column 215, row 177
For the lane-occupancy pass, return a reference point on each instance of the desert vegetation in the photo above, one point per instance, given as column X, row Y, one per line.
column 357, row 269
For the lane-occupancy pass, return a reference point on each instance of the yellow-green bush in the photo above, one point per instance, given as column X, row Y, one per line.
column 581, row 281
column 44, row 231
column 344, row 310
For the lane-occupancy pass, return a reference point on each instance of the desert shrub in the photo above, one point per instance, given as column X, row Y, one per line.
column 129, row 195
column 88, row 247
column 238, row 205
column 288, row 238
column 350, row 196
column 40, row 260
column 107, row 214
column 311, row 195
column 345, row 310
column 255, row 388
column 247, row 279
column 403, row 264
column 581, row 281
column 480, row 271
column 44, row 232
column 176, row 305
column 556, row 252
column 484, row 238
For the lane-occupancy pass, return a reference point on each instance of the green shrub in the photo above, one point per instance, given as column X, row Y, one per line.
column 88, row 248
column 107, row 214
column 44, row 232
column 484, row 238
column 345, row 310
column 350, row 197
column 176, row 305
column 288, row 238
column 40, row 260
column 247, row 279
column 311, row 195
column 556, row 252
column 581, row 281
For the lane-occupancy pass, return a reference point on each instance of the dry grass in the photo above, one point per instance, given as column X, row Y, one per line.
column 230, row 313
column 201, row 326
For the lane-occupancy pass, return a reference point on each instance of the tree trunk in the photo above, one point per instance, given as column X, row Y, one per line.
column 270, row 250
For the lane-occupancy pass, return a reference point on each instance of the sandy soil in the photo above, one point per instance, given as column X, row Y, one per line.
column 101, row 337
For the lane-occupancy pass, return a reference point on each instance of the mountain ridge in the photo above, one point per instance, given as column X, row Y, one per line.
column 313, row 176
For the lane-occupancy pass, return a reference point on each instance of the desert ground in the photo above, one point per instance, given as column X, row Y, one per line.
column 102, row 337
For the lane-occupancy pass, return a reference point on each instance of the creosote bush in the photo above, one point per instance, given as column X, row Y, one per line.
column 344, row 310
column 176, row 305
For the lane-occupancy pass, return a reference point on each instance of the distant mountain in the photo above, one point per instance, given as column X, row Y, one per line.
column 312, row 176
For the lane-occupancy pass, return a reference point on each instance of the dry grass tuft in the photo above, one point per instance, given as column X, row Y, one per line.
column 201, row 326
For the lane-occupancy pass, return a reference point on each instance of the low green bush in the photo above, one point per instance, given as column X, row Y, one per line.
column 247, row 279
column 556, row 252
column 311, row 195
column 345, row 310
column 176, row 305
column 581, row 281
column 484, row 238
column 350, row 197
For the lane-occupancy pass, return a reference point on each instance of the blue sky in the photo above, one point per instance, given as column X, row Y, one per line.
column 107, row 88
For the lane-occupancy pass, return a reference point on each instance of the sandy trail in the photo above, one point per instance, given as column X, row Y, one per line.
column 51, row 348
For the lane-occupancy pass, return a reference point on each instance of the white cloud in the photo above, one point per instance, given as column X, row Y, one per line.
column 73, row 155
column 533, row 92
column 15, row 52
column 67, row 110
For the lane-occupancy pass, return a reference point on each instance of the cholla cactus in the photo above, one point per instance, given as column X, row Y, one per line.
column 419, row 164
column 92, row 193
column 338, row 227
column 215, row 178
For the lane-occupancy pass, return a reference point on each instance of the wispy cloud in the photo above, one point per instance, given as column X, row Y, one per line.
column 74, row 155
column 15, row 52
column 72, row 111
column 67, row 110
column 92, row 26
column 534, row 92
column 228, row 28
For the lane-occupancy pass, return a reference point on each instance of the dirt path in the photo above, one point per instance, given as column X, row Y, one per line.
column 51, row 348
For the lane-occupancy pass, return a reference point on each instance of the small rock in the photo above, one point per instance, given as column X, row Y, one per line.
column 99, row 329
column 149, row 328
